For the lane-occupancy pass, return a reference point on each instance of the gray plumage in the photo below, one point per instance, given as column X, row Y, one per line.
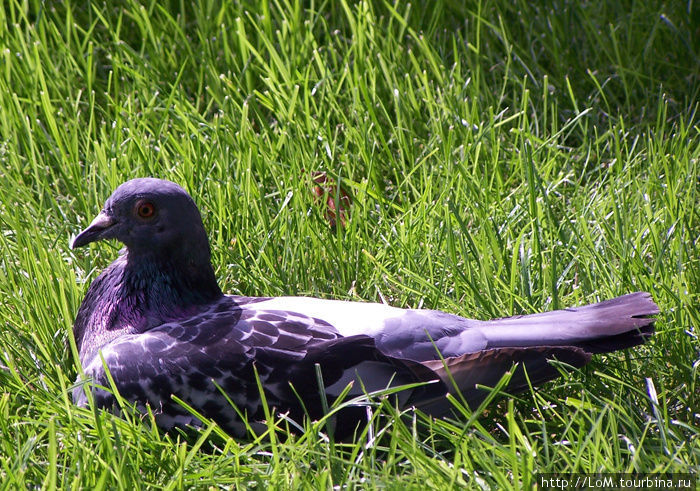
column 163, row 327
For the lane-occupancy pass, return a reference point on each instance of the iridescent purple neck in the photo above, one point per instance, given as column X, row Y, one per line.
column 138, row 292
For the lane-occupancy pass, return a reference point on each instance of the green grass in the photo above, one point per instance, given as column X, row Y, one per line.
column 503, row 158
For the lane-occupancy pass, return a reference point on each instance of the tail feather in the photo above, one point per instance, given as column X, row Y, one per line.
column 614, row 324
column 625, row 340
column 531, row 341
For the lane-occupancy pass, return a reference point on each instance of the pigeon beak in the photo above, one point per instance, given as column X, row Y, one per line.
column 95, row 230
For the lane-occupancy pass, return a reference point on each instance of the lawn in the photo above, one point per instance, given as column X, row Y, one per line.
column 502, row 158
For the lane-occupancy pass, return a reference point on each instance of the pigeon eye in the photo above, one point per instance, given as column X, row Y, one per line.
column 145, row 209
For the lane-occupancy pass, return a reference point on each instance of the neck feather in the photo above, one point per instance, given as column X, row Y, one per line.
column 138, row 292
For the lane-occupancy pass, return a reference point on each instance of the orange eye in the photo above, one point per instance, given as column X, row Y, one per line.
column 145, row 209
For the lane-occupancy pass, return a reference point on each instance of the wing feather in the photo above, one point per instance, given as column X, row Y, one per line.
column 227, row 350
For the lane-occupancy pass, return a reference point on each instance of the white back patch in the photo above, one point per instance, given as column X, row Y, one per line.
column 349, row 318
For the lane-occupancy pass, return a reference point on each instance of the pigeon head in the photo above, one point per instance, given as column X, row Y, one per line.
column 150, row 217
column 164, row 273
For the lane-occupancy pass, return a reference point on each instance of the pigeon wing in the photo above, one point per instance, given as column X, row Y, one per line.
column 234, row 349
column 486, row 368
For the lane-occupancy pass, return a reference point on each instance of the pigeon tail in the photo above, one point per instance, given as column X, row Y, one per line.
column 570, row 336
column 603, row 327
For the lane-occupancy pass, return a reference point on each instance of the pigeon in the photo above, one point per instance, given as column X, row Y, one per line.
column 155, row 326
